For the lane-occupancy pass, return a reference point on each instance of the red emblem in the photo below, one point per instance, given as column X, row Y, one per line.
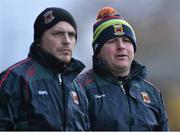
column 118, row 29
column 145, row 97
column 74, row 97
column 48, row 17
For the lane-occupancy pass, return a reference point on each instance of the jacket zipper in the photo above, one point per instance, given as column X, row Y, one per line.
column 60, row 79
column 122, row 87
column 63, row 94
column 127, row 98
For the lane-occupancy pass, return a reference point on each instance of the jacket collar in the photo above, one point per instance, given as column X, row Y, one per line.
column 52, row 63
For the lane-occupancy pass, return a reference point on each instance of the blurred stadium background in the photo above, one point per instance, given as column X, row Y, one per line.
column 156, row 24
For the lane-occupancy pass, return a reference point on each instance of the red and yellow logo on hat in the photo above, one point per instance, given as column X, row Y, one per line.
column 118, row 29
column 48, row 17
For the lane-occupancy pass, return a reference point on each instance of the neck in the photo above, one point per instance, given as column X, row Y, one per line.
column 46, row 59
column 121, row 72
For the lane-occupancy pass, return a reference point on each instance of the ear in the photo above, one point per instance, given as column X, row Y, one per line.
column 98, row 56
column 37, row 42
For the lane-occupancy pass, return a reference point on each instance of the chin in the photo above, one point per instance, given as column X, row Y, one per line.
column 122, row 65
column 65, row 59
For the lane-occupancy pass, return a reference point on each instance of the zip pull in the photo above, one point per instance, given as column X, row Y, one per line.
column 122, row 87
column 59, row 78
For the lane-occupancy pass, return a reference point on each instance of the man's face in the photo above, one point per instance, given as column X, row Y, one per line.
column 59, row 41
column 118, row 53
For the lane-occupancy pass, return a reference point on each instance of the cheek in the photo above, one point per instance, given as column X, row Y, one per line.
column 49, row 45
column 131, row 53
column 110, row 53
column 107, row 53
column 73, row 45
column 108, row 50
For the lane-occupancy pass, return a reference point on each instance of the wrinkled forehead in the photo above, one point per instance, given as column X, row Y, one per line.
column 63, row 26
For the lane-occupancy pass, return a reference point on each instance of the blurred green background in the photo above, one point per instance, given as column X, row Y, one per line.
column 155, row 22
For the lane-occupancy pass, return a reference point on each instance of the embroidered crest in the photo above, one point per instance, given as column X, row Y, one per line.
column 145, row 97
column 48, row 17
column 74, row 97
column 118, row 29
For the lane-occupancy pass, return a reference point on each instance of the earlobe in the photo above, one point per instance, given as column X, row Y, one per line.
column 38, row 44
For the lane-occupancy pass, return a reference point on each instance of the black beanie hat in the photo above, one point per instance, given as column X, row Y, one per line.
column 109, row 24
column 50, row 17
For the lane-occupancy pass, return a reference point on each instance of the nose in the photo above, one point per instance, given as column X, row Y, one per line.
column 66, row 38
column 120, row 44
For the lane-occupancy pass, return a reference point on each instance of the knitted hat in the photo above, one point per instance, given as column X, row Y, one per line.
column 50, row 17
column 109, row 24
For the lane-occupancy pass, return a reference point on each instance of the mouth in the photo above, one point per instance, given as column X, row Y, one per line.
column 65, row 51
column 121, row 56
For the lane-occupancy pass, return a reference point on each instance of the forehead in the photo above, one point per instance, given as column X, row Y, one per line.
column 63, row 26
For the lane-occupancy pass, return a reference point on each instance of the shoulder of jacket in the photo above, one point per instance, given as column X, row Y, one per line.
column 19, row 65
column 85, row 78
column 14, row 70
column 151, row 84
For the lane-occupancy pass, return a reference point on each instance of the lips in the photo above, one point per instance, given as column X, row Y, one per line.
column 64, row 50
column 121, row 55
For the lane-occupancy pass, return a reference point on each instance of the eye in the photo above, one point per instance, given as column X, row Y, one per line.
column 126, row 39
column 72, row 34
column 58, row 33
column 111, row 41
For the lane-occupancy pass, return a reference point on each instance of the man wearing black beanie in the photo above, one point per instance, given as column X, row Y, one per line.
column 36, row 93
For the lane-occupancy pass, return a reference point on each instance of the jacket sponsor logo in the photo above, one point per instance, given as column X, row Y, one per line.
column 42, row 92
column 100, row 96
column 74, row 97
column 145, row 97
